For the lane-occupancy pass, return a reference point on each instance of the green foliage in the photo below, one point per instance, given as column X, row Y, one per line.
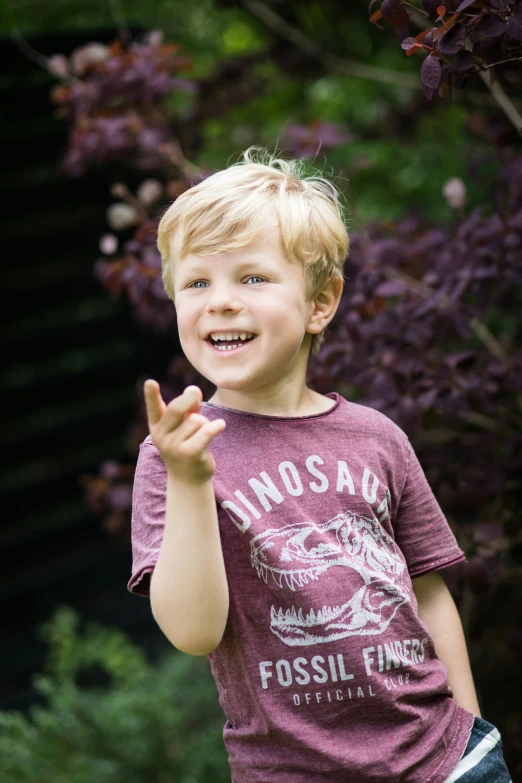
column 153, row 723
column 383, row 173
column 397, row 157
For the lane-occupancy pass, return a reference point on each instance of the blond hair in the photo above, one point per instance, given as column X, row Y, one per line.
column 226, row 212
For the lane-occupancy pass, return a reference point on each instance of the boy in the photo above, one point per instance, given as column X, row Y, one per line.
column 292, row 536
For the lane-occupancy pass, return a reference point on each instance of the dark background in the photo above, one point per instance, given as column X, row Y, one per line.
column 64, row 341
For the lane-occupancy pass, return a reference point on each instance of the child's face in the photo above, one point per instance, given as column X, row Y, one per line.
column 257, row 290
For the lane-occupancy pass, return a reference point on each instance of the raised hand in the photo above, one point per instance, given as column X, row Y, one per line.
column 180, row 434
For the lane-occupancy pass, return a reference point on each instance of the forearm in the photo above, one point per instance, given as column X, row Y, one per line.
column 443, row 620
column 189, row 590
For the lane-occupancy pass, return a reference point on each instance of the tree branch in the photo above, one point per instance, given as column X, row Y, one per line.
column 301, row 41
column 498, row 94
column 501, row 62
column 305, row 44
column 40, row 59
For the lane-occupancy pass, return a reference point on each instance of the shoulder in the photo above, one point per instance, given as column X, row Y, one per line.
column 374, row 432
column 149, row 447
column 374, row 422
column 149, row 455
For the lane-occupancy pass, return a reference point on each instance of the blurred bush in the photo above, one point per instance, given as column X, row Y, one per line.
column 111, row 716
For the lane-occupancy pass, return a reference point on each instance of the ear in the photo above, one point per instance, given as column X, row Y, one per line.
column 324, row 306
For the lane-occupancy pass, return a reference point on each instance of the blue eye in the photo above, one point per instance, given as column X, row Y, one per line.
column 192, row 285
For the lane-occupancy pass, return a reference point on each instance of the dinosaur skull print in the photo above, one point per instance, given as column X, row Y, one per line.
column 297, row 554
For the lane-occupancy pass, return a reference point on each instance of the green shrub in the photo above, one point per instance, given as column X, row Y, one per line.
column 151, row 723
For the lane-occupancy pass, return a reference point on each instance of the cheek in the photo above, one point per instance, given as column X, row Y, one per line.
column 280, row 304
column 186, row 315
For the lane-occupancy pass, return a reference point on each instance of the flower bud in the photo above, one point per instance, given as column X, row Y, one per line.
column 108, row 244
column 58, row 65
column 86, row 56
column 121, row 216
column 149, row 191
column 454, row 191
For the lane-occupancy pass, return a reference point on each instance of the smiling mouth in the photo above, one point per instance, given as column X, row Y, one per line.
column 229, row 346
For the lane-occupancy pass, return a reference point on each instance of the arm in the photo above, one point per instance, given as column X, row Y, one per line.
column 438, row 611
column 188, row 589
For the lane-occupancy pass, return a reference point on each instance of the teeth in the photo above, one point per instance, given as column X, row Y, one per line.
column 228, row 347
column 231, row 336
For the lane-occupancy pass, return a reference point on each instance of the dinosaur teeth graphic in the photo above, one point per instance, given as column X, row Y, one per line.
column 262, row 572
column 356, row 617
column 349, row 541
column 297, row 617
column 291, row 579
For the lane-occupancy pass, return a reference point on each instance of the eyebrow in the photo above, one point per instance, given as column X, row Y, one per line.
column 201, row 264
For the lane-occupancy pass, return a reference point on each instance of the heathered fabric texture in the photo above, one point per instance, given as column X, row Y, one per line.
column 324, row 672
column 483, row 760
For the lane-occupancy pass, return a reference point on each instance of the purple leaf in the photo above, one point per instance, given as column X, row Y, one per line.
column 514, row 26
column 490, row 27
column 487, row 532
column 462, row 61
column 408, row 43
column 427, row 398
column 383, row 386
column 430, row 6
column 452, row 359
column 428, row 39
column 395, row 13
column 452, row 40
column 110, row 469
column 120, row 497
column 464, row 5
column 430, row 72
column 391, row 288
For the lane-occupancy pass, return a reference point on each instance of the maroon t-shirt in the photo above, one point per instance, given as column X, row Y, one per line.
column 324, row 672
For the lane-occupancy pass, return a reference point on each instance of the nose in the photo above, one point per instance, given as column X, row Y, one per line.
column 223, row 296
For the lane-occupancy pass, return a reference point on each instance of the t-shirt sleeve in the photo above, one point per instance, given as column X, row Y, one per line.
column 149, row 499
column 421, row 529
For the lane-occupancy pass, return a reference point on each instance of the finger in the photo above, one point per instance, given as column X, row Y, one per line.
column 194, row 390
column 190, row 424
column 192, row 393
column 153, row 402
column 178, row 408
column 200, row 440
